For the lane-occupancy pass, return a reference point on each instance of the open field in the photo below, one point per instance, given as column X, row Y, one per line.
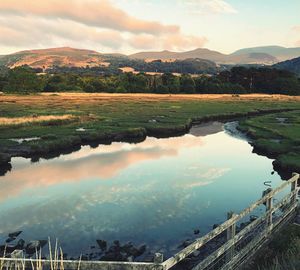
column 60, row 122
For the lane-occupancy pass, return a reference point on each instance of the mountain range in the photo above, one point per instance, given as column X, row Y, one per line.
column 71, row 57
column 256, row 55
column 220, row 58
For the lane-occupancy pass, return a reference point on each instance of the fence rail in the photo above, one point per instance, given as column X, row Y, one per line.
column 237, row 241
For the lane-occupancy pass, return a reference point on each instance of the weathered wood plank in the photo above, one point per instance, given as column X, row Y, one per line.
column 255, row 244
column 203, row 240
column 220, row 251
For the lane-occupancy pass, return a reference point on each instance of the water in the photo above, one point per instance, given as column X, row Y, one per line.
column 156, row 192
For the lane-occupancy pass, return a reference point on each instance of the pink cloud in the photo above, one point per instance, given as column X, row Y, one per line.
column 97, row 13
column 183, row 42
column 176, row 42
column 96, row 24
column 55, row 32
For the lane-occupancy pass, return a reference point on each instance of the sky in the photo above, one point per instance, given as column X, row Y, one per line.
column 128, row 26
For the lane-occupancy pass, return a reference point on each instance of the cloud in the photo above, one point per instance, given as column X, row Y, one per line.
column 45, row 32
column 13, row 35
column 96, row 13
column 296, row 28
column 176, row 42
column 206, row 176
column 143, row 42
column 92, row 24
column 209, row 6
column 183, row 42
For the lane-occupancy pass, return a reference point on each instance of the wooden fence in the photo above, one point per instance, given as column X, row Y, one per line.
column 236, row 240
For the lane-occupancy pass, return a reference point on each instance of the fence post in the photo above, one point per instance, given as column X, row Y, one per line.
column 269, row 207
column 293, row 189
column 158, row 258
column 230, row 235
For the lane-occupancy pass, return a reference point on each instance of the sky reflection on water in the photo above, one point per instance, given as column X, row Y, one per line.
column 155, row 192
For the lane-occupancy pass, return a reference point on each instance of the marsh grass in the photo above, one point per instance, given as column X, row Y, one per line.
column 281, row 253
column 290, row 260
column 105, row 115
column 277, row 139
column 55, row 261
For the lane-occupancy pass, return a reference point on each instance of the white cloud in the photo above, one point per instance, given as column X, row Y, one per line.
column 208, row 6
column 175, row 42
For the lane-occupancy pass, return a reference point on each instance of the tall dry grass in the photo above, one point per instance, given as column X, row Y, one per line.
column 7, row 121
column 55, row 261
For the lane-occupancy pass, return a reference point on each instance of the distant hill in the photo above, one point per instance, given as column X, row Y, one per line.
column 62, row 59
column 251, row 58
column 190, row 65
column 281, row 53
column 202, row 53
column 168, row 55
column 290, row 65
column 54, row 57
column 72, row 57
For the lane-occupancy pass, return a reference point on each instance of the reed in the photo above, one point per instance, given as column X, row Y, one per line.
column 56, row 260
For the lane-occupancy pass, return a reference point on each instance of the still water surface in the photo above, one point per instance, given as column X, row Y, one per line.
column 156, row 192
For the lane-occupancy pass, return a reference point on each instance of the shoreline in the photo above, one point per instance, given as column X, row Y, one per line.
column 134, row 135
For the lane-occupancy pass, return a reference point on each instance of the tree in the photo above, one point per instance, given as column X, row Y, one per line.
column 162, row 89
column 89, row 88
column 287, row 86
column 187, row 84
column 172, row 82
column 98, row 85
column 23, row 80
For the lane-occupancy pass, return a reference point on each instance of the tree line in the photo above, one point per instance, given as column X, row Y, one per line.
column 238, row 80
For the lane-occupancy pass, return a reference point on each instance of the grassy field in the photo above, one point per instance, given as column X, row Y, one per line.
column 63, row 121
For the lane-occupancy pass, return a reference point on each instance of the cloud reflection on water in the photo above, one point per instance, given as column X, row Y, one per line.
column 102, row 163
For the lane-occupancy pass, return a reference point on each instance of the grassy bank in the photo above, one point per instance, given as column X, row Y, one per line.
column 61, row 123
column 277, row 136
column 281, row 253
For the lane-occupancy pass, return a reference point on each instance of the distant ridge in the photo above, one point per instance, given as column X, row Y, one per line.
column 290, row 65
column 72, row 57
column 64, row 56
column 165, row 55
column 281, row 53
column 203, row 53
